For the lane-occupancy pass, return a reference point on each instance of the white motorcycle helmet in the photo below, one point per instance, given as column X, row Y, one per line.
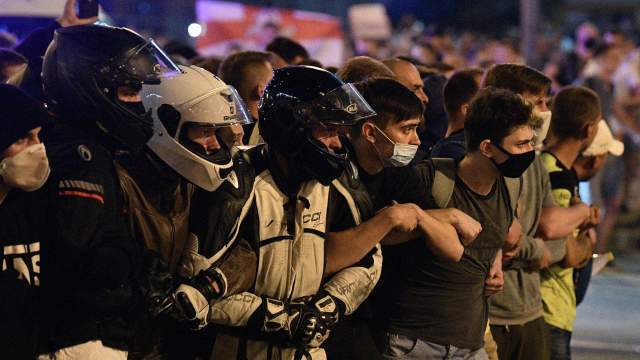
column 193, row 97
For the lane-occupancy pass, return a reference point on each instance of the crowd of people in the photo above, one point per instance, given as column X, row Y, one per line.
column 261, row 206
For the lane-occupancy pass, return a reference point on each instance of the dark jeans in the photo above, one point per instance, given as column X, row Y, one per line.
column 520, row 342
column 559, row 343
column 582, row 277
column 351, row 339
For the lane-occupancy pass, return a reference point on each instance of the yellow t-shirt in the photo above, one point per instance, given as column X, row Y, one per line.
column 556, row 282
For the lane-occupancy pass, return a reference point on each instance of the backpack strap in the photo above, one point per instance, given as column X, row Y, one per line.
column 444, row 181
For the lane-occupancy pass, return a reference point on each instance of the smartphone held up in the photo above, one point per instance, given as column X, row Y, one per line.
column 87, row 8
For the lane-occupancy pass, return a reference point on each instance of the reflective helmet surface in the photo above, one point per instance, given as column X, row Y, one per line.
column 193, row 97
column 299, row 97
column 83, row 68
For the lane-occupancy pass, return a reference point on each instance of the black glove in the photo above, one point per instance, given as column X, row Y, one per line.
column 156, row 283
column 303, row 323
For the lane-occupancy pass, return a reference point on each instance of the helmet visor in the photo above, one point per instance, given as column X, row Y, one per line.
column 144, row 64
column 343, row 106
column 219, row 107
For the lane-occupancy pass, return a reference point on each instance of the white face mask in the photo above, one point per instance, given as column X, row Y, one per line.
column 541, row 133
column 28, row 170
column 402, row 153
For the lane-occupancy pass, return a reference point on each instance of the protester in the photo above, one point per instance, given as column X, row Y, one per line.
column 576, row 113
column 361, row 68
column 289, row 50
column 291, row 310
column 458, row 93
column 249, row 72
column 24, row 169
column 382, row 148
column 447, row 304
column 519, row 307
column 407, row 74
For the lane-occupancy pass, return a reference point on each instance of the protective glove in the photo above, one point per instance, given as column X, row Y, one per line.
column 192, row 298
column 303, row 323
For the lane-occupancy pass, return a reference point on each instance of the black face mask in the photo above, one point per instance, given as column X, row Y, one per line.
column 135, row 107
column 516, row 164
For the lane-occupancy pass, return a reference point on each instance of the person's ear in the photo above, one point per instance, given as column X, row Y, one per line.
column 368, row 130
column 486, row 149
column 593, row 130
column 588, row 132
column 258, row 91
column 464, row 109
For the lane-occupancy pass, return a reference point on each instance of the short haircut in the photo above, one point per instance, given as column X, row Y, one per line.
column 288, row 49
column 460, row 89
column 361, row 68
column 517, row 78
column 9, row 58
column 391, row 100
column 239, row 69
column 573, row 108
column 422, row 68
column 494, row 114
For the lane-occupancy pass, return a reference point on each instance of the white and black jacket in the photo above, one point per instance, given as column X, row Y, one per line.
column 290, row 243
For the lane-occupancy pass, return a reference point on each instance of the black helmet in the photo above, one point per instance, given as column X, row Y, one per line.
column 83, row 68
column 299, row 97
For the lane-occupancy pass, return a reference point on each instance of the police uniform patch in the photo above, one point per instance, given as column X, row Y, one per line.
column 85, row 153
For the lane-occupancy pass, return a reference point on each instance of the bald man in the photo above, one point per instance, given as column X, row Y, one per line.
column 249, row 72
column 360, row 68
column 407, row 74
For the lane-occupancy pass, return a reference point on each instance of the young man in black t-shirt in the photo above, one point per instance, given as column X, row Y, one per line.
column 381, row 146
column 458, row 93
column 436, row 308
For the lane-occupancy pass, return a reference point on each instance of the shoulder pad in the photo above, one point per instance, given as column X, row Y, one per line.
column 70, row 151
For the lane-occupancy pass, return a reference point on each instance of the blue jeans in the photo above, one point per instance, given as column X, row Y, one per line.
column 559, row 343
column 402, row 347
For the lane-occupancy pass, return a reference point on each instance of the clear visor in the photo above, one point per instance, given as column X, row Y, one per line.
column 146, row 64
column 217, row 108
column 343, row 106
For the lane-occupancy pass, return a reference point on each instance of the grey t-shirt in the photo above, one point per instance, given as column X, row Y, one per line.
column 438, row 300
column 520, row 301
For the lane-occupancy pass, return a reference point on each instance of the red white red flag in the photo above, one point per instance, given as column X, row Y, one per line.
column 230, row 27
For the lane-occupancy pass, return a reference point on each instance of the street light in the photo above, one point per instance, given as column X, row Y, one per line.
column 194, row 30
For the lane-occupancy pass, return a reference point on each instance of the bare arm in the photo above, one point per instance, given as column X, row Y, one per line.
column 495, row 279
column 557, row 222
column 466, row 226
column 345, row 248
column 440, row 237
column 579, row 250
